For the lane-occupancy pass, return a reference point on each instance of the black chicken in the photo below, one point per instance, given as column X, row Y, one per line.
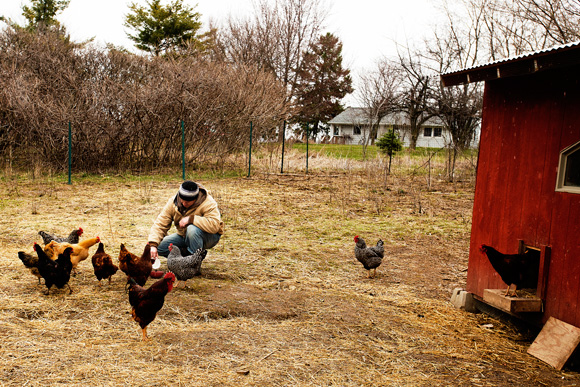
column 55, row 272
column 370, row 257
column 72, row 238
column 514, row 269
column 31, row 263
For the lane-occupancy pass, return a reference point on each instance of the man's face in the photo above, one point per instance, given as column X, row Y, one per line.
column 187, row 203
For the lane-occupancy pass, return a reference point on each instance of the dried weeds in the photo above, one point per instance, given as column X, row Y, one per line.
column 281, row 299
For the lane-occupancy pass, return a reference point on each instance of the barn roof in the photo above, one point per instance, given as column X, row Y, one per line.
column 529, row 63
column 357, row 116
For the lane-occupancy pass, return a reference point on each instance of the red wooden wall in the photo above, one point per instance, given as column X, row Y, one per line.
column 526, row 122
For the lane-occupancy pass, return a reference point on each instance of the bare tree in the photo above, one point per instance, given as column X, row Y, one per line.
column 416, row 94
column 459, row 107
column 275, row 38
column 125, row 109
column 379, row 94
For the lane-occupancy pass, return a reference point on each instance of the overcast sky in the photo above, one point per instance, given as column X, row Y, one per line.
column 368, row 29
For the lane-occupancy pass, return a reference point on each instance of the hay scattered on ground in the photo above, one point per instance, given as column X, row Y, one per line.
column 281, row 299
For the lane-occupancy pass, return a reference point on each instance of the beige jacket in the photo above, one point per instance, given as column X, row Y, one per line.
column 204, row 213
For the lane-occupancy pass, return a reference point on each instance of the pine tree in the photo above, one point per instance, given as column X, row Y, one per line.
column 389, row 143
column 323, row 82
column 162, row 29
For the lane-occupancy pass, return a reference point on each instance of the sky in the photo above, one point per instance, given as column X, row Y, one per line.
column 368, row 29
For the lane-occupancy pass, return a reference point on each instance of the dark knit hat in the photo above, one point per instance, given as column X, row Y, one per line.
column 188, row 190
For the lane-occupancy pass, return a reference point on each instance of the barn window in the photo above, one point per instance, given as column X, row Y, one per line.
column 427, row 132
column 569, row 170
column 437, row 132
column 356, row 130
column 336, row 131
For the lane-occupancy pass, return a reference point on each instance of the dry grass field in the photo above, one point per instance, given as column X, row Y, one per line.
column 281, row 300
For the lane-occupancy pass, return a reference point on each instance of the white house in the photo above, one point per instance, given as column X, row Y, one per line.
column 351, row 127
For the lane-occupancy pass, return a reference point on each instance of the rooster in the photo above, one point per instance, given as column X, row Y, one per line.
column 138, row 268
column 185, row 267
column 145, row 303
column 514, row 269
column 72, row 238
column 80, row 251
column 370, row 257
column 54, row 272
column 103, row 264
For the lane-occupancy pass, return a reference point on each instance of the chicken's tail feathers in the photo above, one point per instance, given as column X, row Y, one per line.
column 130, row 283
column 46, row 237
column 27, row 259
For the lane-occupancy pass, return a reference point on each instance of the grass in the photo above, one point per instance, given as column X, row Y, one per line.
column 356, row 152
column 281, row 300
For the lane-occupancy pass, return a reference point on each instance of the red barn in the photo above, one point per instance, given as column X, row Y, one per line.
column 527, row 192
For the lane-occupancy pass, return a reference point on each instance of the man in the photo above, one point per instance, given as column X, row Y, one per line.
column 196, row 217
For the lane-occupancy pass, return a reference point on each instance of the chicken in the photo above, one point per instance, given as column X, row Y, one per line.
column 136, row 267
column 54, row 272
column 145, row 303
column 186, row 267
column 31, row 263
column 80, row 251
column 514, row 269
column 73, row 237
column 370, row 257
column 103, row 264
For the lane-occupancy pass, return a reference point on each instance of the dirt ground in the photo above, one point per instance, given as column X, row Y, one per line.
column 281, row 300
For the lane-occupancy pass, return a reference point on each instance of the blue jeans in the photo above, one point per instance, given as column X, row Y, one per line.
column 194, row 239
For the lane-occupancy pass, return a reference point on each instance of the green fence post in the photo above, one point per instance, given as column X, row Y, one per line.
column 307, row 147
column 283, row 141
column 183, row 148
column 69, row 152
column 250, row 154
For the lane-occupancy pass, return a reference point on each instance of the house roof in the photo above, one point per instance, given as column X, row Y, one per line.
column 552, row 58
column 356, row 116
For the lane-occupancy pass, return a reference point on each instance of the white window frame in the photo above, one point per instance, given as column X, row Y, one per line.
column 425, row 132
column 440, row 132
column 560, row 187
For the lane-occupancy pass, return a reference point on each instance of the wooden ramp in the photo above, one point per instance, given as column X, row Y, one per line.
column 555, row 343
column 496, row 298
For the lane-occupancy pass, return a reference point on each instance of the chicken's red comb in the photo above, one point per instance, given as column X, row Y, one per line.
column 355, row 238
column 80, row 231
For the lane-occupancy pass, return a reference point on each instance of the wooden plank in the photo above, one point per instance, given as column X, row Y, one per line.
column 555, row 343
column 497, row 299
column 543, row 275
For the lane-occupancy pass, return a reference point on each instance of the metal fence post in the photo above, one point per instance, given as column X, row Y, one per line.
column 183, row 148
column 250, row 154
column 307, row 147
column 69, row 152
column 283, row 141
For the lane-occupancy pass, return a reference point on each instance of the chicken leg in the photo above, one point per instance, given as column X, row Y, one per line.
column 145, row 337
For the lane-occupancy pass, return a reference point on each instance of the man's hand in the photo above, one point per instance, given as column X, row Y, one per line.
column 154, row 253
column 184, row 221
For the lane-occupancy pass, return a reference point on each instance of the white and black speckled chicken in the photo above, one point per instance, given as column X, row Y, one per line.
column 72, row 238
column 184, row 267
column 370, row 257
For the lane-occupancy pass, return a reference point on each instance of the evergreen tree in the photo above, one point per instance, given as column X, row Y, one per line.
column 322, row 83
column 41, row 14
column 390, row 143
column 162, row 29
